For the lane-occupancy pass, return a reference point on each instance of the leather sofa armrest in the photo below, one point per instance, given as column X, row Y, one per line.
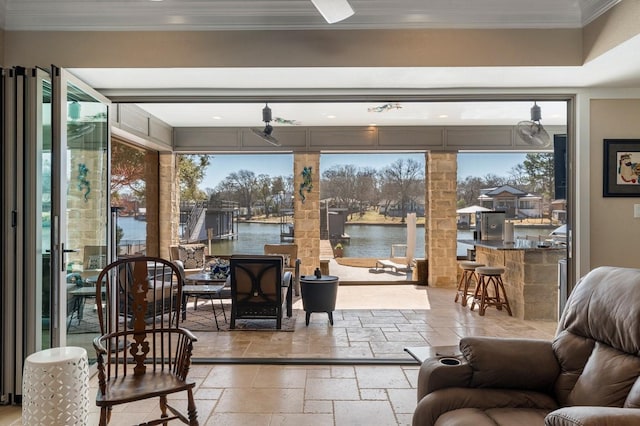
column 434, row 375
column 526, row 364
column 592, row 416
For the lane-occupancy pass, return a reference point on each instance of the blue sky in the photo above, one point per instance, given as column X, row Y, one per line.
column 469, row 164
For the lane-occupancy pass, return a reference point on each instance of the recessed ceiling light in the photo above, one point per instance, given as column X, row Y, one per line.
column 215, row 117
column 331, row 116
column 443, row 116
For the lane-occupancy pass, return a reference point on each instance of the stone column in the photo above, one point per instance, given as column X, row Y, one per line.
column 152, row 201
column 441, row 231
column 306, row 216
column 169, row 203
column 87, row 207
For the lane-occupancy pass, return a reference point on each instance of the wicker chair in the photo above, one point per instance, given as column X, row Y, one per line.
column 291, row 262
column 193, row 256
column 142, row 352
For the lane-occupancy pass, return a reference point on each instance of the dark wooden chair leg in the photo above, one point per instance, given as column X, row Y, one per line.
column 191, row 409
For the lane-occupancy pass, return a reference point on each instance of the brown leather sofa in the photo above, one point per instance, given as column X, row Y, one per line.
column 588, row 374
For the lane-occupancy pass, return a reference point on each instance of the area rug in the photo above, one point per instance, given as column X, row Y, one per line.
column 84, row 322
column 203, row 319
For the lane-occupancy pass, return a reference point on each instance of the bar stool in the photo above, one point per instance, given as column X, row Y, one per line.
column 490, row 275
column 468, row 274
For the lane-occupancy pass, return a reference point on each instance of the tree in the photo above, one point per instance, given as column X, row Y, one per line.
column 519, row 178
column 279, row 187
column 403, row 177
column 469, row 190
column 340, row 184
column 539, row 168
column 366, row 188
column 191, row 170
column 243, row 183
column 127, row 169
column 264, row 192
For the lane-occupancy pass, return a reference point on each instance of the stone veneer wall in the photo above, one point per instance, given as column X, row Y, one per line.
column 152, row 200
column 169, row 203
column 306, row 217
column 441, row 231
column 87, row 216
column 530, row 279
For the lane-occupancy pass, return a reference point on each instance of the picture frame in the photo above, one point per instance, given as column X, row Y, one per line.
column 621, row 171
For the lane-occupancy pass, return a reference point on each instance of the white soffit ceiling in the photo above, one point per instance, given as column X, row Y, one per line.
column 108, row 15
column 356, row 114
column 257, row 83
column 615, row 68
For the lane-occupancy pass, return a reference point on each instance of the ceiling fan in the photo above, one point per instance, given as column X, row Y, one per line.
column 265, row 133
column 532, row 132
column 333, row 10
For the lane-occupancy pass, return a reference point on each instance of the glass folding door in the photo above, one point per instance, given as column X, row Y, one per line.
column 55, row 215
column 80, row 208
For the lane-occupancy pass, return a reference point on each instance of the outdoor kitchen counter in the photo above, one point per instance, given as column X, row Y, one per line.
column 530, row 277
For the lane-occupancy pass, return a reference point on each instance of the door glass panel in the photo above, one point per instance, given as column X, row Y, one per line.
column 87, row 212
column 132, row 171
column 45, row 205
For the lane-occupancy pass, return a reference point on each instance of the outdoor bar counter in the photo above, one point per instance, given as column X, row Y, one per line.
column 530, row 277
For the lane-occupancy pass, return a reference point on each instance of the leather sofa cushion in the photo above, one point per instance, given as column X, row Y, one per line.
column 507, row 363
column 572, row 352
column 493, row 417
column 438, row 403
column 606, row 379
column 633, row 399
column 604, row 303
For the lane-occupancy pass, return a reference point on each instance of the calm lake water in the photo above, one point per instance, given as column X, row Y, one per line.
column 366, row 240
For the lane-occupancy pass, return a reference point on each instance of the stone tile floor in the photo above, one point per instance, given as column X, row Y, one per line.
column 371, row 323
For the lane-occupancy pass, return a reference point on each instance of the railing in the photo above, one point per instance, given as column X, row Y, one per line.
column 132, row 247
column 192, row 220
column 222, row 205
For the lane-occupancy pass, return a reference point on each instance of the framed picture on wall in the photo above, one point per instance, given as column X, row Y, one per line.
column 621, row 168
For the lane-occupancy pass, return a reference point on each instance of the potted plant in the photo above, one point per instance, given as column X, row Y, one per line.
column 338, row 250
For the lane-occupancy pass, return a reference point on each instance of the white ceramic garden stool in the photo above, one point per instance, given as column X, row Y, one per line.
column 55, row 387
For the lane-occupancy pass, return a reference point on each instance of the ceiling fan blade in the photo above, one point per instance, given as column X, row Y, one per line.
column 533, row 133
column 266, row 137
column 333, row 10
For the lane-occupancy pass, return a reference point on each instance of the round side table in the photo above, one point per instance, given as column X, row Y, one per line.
column 319, row 295
column 55, row 387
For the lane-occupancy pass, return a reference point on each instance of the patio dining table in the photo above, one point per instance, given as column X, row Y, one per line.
column 206, row 287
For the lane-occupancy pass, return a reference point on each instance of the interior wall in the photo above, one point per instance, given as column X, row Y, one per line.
column 334, row 48
column 354, row 138
column 617, row 25
column 1, row 47
column 614, row 231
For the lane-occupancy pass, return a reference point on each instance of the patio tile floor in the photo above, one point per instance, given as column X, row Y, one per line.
column 371, row 323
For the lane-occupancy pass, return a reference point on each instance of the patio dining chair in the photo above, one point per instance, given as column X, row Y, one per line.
column 259, row 289
column 142, row 353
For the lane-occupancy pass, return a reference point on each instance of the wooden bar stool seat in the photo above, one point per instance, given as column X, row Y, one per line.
column 490, row 276
column 468, row 275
